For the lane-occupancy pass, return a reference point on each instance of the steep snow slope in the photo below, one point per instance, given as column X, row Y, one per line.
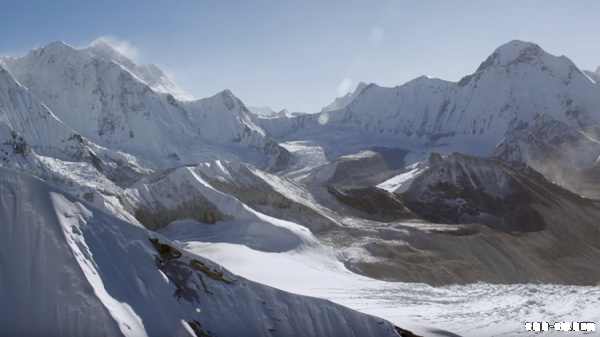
column 32, row 138
column 112, row 106
column 26, row 123
column 513, row 89
column 70, row 270
column 402, row 181
column 340, row 102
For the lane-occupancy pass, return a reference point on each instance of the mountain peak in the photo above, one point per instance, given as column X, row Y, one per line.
column 598, row 70
column 360, row 87
column 263, row 111
column 513, row 52
column 340, row 102
column 226, row 93
column 104, row 50
column 282, row 113
column 58, row 44
column 100, row 44
column 154, row 67
column 517, row 45
column 55, row 46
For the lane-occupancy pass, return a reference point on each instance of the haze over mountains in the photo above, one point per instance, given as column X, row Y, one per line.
column 489, row 179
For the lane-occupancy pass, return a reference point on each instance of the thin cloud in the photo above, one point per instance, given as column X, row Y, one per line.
column 122, row 46
column 344, row 87
column 376, row 35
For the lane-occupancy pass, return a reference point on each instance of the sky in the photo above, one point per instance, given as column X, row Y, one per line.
column 301, row 54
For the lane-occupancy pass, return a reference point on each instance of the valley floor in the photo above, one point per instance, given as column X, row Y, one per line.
column 471, row 310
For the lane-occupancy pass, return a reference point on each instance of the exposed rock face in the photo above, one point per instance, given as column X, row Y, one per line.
column 549, row 143
column 257, row 190
column 167, row 199
column 562, row 153
column 180, row 272
column 464, row 189
column 496, row 224
column 160, row 216
column 379, row 204
column 363, row 169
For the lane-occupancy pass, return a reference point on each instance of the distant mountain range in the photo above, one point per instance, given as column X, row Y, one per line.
column 125, row 181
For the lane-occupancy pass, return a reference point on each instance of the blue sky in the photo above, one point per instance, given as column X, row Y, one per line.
column 298, row 54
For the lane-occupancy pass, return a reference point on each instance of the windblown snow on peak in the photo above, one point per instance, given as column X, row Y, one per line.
column 112, row 105
column 149, row 73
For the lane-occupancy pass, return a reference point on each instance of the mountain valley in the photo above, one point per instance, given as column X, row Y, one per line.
column 175, row 215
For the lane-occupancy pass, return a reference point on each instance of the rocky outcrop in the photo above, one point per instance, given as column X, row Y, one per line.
column 465, row 189
column 379, row 204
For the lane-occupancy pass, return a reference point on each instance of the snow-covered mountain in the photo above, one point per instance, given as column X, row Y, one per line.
column 280, row 114
column 354, row 189
column 264, row 111
column 115, row 104
column 71, row 270
column 149, row 73
column 549, row 144
column 340, row 102
column 267, row 112
column 464, row 189
column 517, row 86
column 26, row 123
column 34, row 140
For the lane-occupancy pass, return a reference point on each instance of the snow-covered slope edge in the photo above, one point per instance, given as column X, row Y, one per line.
column 69, row 269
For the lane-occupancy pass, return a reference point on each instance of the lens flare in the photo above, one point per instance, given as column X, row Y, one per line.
column 323, row 118
column 197, row 309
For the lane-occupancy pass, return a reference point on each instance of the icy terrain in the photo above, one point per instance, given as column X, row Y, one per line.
column 519, row 88
column 69, row 269
column 474, row 310
column 145, row 155
column 117, row 105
